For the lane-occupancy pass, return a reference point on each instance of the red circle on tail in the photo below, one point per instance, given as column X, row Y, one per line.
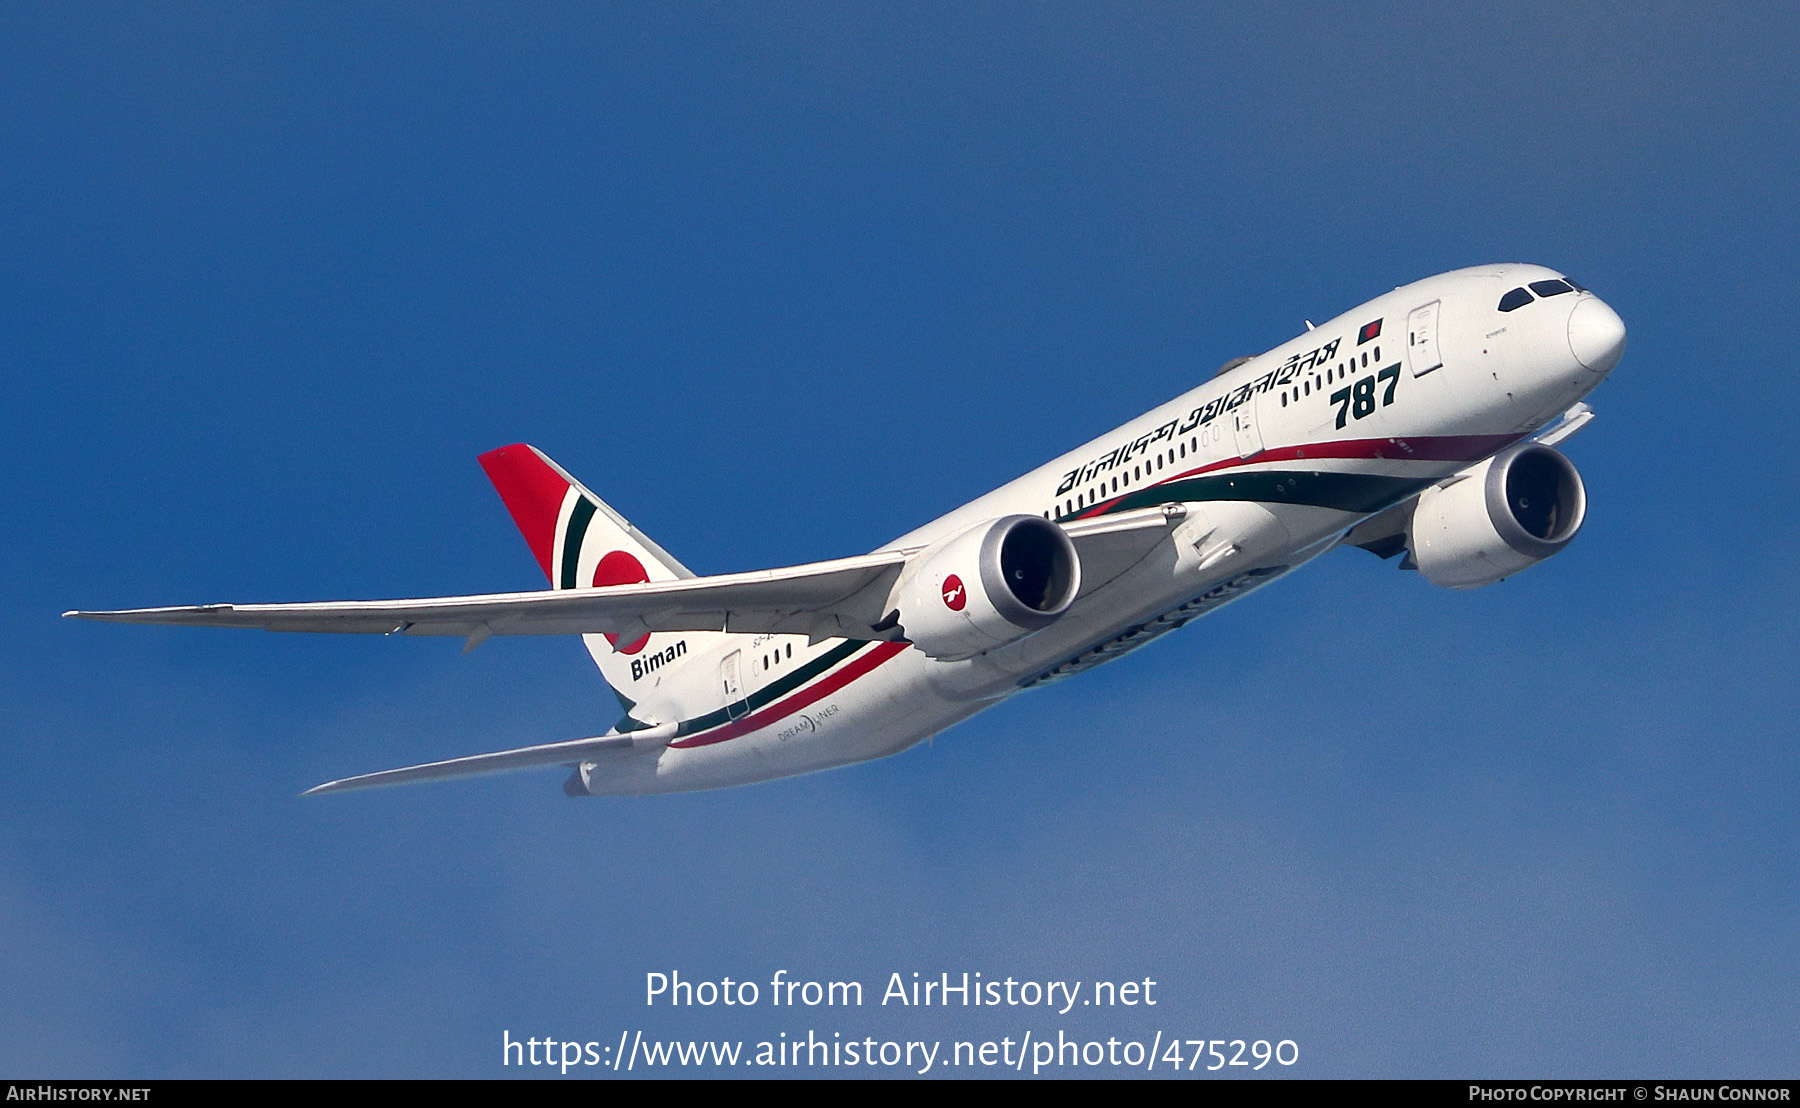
column 620, row 568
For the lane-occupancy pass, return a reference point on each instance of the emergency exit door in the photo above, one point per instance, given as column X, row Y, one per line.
column 731, row 673
column 1244, row 426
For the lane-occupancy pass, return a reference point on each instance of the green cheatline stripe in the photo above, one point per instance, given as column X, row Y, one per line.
column 774, row 690
column 578, row 525
column 1361, row 493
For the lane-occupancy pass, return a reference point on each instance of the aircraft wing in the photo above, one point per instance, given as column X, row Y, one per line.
column 1110, row 545
column 843, row 598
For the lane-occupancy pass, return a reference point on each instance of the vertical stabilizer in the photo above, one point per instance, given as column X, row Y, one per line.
column 580, row 542
column 552, row 508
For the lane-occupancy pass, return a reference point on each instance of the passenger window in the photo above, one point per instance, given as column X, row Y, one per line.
column 1515, row 300
column 1550, row 288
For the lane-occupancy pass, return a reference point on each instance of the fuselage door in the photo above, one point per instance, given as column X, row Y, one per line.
column 1422, row 339
column 1244, row 425
column 731, row 673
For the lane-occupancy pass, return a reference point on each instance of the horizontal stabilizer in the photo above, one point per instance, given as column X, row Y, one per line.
column 525, row 757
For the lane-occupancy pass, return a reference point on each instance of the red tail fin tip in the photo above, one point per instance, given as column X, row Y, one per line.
column 533, row 491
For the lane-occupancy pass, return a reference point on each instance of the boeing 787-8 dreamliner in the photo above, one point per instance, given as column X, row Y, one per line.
column 1422, row 424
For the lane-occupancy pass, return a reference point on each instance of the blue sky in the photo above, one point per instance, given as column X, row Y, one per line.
column 782, row 282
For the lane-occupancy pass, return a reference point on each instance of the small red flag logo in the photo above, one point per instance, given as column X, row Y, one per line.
column 955, row 596
column 1369, row 331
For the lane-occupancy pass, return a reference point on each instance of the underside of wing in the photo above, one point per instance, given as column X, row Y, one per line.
column 1110, row 545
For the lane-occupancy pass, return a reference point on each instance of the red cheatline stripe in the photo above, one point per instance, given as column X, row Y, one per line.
column 1427, row 448
column 1430, row 448
column 858, row 666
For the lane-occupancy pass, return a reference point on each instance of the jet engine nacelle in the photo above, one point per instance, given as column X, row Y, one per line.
column 1506, row 514
column 990, row 585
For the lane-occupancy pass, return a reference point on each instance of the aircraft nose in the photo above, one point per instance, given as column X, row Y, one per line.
column 1596, row 334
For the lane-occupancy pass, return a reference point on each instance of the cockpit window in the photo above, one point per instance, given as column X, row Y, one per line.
column 1551, row 288
column 1515, row 299
column 1575, row 284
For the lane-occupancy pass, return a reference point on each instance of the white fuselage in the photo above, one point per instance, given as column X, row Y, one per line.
column 1273, row 460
